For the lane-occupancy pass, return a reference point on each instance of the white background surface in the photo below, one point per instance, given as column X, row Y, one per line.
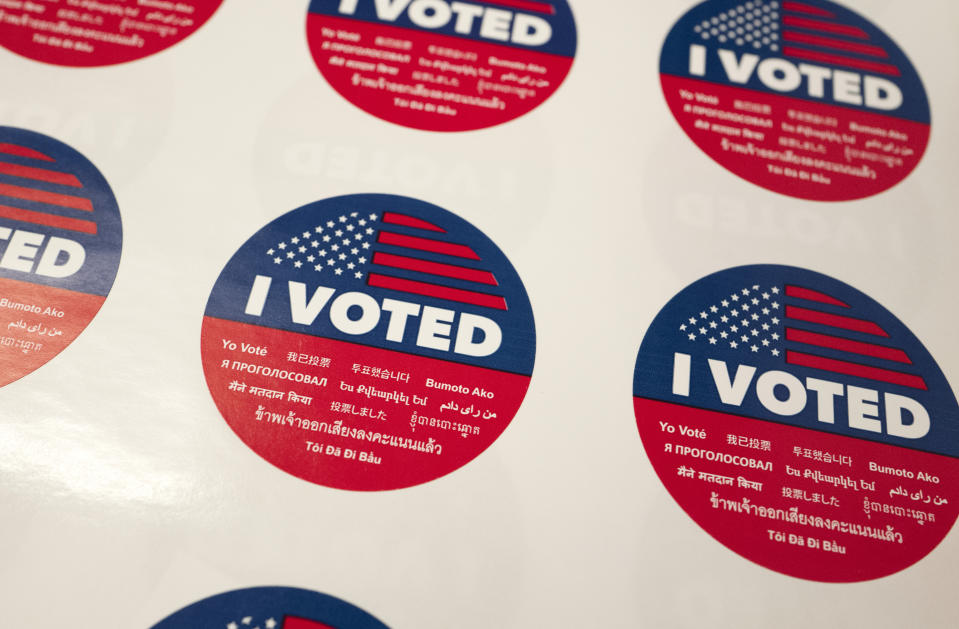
column 125, row 496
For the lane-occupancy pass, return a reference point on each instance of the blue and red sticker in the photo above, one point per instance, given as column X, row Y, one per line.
column 60, row 241
column 807, row 99
column 87, row 34
column 271, row 608
column 439, row 65
column 799, row 423
column 368, row 342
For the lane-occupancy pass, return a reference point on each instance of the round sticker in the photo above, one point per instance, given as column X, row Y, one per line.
column 807, row 99
column 84, row 34
column 800, row 423
column 440, row 65
column 60, row 240
column 368, row 342
column 271, row 608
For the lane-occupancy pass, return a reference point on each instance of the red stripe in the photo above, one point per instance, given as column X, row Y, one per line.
column 293, row 622
column 31, row 194
column 409, row 221
column 841, row 60
column 825, row 27
column 813, row 295
column 40, row 174
column 837, row 44
column 22, row 151
column 846, row 345
column 51, row 220
column 855, row 369
column 434, row 290
column 835, row 321
column 802, row 7
column 525, row 5
column 434, row 268
column 426, row 244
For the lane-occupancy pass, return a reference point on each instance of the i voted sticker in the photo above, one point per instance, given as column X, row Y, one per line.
column 271, row 608
column 88, row 33
column 60, row 241
column 799, row 423
column 368, row 342
column 440, row 65
column 808, row 99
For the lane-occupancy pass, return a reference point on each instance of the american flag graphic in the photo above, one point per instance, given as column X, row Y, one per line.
column 799, row 30
column 799, row 325
column 285, row 622
column 418, row 258
column 52, row 198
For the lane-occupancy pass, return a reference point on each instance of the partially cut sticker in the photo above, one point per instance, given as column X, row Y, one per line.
column 368, row 342
column 271, row 608
column 440, row 65
column 86, row 34
column 60, row 241
column 808, row 99
column 799, row 423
